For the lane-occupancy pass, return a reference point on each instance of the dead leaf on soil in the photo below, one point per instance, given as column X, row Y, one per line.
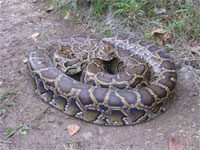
column 49, row 9
column 175, row 145
column 34, row 35
column 77, row 15
column 73, row 129
column 67, row 16
column 158, row 31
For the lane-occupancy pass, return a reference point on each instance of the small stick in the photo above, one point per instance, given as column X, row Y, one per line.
column 7, row 142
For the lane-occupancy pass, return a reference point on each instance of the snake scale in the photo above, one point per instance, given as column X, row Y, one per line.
column 51, row 64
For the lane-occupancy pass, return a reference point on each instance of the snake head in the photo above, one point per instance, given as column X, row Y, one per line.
column 106, row 52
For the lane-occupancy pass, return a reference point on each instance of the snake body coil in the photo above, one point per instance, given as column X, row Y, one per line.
column 94, row 104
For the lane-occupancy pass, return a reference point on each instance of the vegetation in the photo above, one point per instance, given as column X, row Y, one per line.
column 179, row 17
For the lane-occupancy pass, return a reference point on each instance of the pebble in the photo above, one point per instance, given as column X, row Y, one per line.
column 25, row 60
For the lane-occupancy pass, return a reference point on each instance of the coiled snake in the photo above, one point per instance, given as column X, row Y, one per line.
column 102, row 100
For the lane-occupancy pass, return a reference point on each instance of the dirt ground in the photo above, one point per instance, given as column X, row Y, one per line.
column 38, row 126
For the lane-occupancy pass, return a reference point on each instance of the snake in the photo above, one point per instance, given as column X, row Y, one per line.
column 107, row 98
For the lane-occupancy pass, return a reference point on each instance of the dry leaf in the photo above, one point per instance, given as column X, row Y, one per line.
column 159, row 10
column 175, row 145
column 158, row 31
column 50, row 8
column 77, row 15
column 67, row 16
column 34, row 35
column 73, row 129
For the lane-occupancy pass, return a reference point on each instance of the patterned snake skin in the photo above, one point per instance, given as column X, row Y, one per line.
column 107, row 104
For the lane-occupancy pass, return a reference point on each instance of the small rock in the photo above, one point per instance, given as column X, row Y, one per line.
column 35, row 35
column 25, row 61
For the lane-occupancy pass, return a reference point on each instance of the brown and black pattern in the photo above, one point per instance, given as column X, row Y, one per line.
column 49, row 64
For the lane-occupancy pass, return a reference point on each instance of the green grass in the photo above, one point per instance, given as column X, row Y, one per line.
column 23, row 129
column 62, row 5
column 6, row 94
column 10, row 93
column 10, row 132
column 181, row 17
column 109, row 32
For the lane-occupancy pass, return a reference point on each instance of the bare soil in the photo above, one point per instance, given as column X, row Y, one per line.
column 46, row 126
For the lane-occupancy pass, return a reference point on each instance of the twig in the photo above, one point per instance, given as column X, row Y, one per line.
column 7, row 142
column 16, row 130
